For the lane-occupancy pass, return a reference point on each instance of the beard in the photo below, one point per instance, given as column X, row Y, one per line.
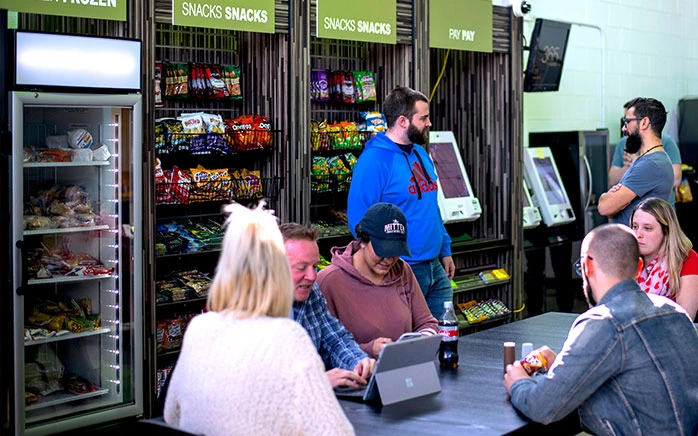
column 633, row 143
column 416, row 136
column 591, row 301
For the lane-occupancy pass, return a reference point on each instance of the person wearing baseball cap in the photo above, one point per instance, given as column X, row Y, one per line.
column 370, row 289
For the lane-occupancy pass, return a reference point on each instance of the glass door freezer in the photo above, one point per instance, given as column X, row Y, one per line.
column 77, row 259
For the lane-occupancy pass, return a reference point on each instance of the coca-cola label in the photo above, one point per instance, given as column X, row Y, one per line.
column 449, row 333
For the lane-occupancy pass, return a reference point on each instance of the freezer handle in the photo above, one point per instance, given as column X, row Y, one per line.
column 22, row 257
column 590, row 187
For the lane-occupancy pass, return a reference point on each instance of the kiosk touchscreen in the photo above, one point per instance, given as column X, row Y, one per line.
column 456, row 199
column 549, row 193
column 531, row 215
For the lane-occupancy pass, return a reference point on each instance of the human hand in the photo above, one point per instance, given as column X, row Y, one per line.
column 449, row 266
column 614, row 188
column 514, row 372
column 345, row 378
column 365, row 367
column 629, row 158
column 378, row 345
column 549, row 355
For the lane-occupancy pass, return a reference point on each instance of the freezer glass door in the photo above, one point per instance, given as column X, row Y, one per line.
column 77, row 269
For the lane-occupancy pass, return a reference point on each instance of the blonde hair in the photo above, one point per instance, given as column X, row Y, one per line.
column 252, row 276
column 675, row 244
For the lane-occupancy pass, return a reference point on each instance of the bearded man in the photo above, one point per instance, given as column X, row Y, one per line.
column 651, row 175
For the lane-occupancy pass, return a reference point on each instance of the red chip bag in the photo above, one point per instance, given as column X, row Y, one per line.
column 181, row 182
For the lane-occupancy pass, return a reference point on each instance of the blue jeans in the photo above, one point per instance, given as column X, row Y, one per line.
column 435, row 284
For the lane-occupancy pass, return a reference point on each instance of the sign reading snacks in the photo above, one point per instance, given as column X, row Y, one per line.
column 461, row 25
column 101, row 9
column 358, row 20
column 245, row 15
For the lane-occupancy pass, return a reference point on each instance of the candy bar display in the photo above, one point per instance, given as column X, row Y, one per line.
column 477, row 312
column 188, row 236
column 170, row 331
column 183, row 285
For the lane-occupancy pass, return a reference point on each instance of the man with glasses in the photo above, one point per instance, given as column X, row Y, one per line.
column 651, row 175
column 628, row 364
column 622, row 159
column 347, row 363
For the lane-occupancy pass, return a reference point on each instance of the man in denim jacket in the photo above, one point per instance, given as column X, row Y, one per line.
column 629, row 364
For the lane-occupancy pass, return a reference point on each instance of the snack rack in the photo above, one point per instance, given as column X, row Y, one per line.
column 76, row 225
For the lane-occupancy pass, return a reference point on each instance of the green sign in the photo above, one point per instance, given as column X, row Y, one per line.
column 102, row 9
column 246, row 15
column 461, row 24
column 357, row 20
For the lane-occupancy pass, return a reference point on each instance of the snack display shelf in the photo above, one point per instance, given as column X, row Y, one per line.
column 475, row 283
column 171, row 352
column 180, row 302
column 61, row 398
column 190, row 253
column 464, row 324
column 66, row 164
column 68, row 279
column 65, row 230
column 66, row 337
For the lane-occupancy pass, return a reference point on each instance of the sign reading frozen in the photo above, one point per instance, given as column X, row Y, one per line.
column 102, row 9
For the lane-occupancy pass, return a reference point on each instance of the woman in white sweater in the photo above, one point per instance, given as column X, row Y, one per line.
column 245, row 367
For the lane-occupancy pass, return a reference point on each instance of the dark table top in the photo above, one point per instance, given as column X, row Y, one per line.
column 472, row 400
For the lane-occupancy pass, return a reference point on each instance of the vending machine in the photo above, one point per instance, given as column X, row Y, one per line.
column 76, row 232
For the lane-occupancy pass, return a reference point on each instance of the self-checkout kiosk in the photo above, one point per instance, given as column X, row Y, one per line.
column 456, row 199
column 549, row 194
column 531, row 214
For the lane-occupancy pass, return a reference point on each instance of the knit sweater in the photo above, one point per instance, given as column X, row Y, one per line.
column 370, row 311
column 257, row 376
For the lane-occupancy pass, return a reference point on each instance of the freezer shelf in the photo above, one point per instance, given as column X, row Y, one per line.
column 65, row 337
column 62, row 398
column 65, row 164
column 66, row 230
column 68, row 279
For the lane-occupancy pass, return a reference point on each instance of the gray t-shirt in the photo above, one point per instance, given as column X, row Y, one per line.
column 649, row 176
column 669, row 146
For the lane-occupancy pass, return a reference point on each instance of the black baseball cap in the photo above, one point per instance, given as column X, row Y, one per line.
column 386, row 226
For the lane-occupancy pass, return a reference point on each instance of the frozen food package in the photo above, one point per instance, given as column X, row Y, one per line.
column 79, row 138
column 100, row 152
column 82, row 155
column 57, row 141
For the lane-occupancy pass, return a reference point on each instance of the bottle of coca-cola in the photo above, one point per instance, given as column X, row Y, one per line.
column 448, row 328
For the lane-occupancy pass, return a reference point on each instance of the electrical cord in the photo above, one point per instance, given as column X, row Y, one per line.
column 443, row 68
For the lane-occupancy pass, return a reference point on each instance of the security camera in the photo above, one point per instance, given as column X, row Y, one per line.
column 520, row 7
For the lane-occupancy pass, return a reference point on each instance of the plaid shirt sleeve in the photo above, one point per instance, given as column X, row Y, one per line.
column 335, row 344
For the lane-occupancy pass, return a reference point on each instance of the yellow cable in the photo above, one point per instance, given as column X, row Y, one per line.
column 443, row 68
column 523, row 306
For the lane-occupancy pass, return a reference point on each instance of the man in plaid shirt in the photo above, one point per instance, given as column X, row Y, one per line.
column 349, row 365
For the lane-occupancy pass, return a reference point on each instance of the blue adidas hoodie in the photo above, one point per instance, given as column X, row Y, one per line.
column 385, row 173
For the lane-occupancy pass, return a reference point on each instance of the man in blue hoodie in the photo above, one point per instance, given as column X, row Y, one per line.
column 395, row 168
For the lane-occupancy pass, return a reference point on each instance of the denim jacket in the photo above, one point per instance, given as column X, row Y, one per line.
column 630, row 366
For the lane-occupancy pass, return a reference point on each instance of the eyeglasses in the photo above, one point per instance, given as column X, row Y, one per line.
column 578, row 265
column 627, row 120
